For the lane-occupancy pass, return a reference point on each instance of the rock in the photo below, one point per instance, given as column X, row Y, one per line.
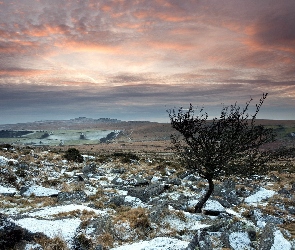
column 174, row 181
column 118, row 170
column 272, row 238
column 179, row 202
column 138, row 181
column 89, row 169
column 213, row 207
column 240, row 240
column 11, row 234
column 79, row 177
column 88, row 233
column 190, row 177
column 291, row 210
column 23, row 166
column 227, row 190
column 118, row 200
column 126, row 200
column 38, row 191
column 69, row 197
column 118, row 181
column 145, row 193
column 234, row 234
column 201, row 240
column 284, row 192
column 261, row 219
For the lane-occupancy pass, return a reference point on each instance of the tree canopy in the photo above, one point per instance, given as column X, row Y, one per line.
column 224, row 146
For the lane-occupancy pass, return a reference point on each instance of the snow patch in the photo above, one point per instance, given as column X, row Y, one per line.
column 262, row 194
column 40, row 191
column 212, row 205
column 135, row 201
column 50, row 211
column 239, row 240
column 160, row 243
column 280, row 242
column 7, row 190
column 65, row 228
column 3, row 161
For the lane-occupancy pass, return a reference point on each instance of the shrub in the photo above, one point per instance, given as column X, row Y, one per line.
column 225, row 146
column 73, row 154
column 126, row 157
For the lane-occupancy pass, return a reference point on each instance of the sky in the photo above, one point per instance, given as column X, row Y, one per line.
column 135, row 59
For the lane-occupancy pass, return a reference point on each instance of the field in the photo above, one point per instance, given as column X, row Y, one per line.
column 134, row 136
column 131, row 192
column 56, row 137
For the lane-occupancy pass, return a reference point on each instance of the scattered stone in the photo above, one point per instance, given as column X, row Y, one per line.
column 118, row 170
column 145, row 193
column 69, row 197
column 89, row 169
column 174, row 181
column 261, row 219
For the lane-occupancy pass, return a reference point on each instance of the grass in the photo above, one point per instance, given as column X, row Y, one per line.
column 56, row 243
column 137, row 217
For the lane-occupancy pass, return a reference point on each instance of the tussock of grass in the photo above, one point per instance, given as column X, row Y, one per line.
column 56, row 243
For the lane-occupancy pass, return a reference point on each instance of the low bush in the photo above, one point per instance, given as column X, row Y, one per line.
column 73, row 154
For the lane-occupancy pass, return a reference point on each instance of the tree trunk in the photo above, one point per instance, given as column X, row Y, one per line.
column 200, row 204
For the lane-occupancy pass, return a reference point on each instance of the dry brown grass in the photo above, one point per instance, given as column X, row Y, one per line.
column 27, row 203
column 106, row 240
column 84, row 215
column 137, row 217
column 290, row 227
column 56, row 243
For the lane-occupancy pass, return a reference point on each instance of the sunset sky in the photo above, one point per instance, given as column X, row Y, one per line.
column 134, row 59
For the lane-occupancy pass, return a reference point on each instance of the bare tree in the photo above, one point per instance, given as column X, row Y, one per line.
column 225, row 146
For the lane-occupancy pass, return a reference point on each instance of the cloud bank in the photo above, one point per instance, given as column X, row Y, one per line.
column 135, row 59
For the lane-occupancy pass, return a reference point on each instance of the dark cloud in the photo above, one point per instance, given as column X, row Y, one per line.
column 277, row 28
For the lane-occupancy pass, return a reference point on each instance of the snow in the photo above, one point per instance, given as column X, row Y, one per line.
column 6, row 190
column 3, row 161
column 232, row 212
column 212, row 205
column 239, row 240
column 259, row 217
column 262, row 194
column 160, row 243
column 50, row 211
column 40, row 191
column 32, row 246
column 135, row 201
column 88, row 157
column 65, row 228
column 280, row 242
